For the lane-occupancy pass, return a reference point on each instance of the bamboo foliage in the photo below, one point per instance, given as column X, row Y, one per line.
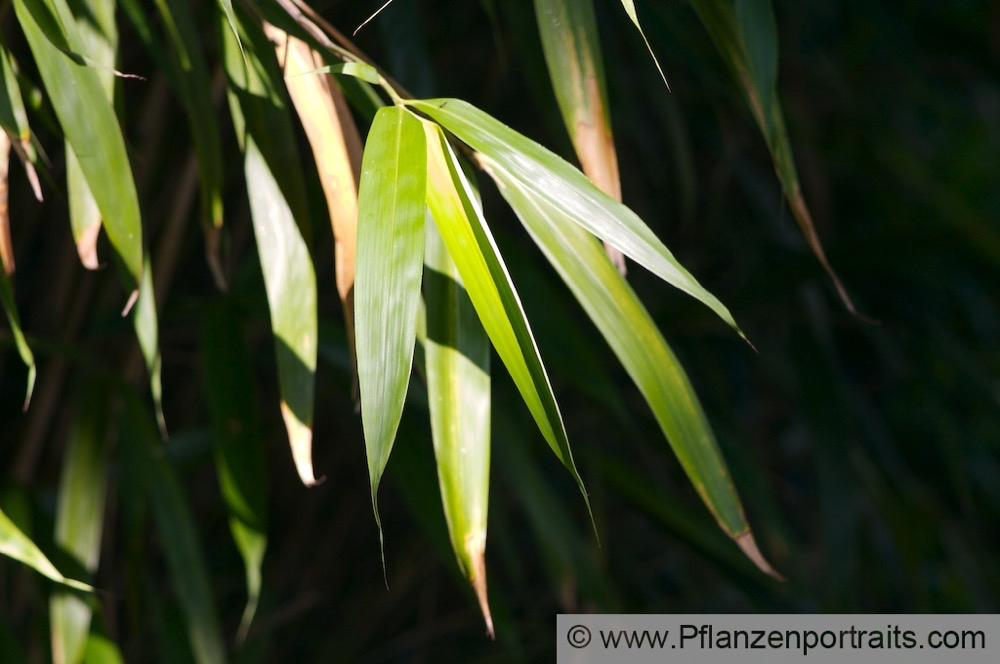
column 408, row 229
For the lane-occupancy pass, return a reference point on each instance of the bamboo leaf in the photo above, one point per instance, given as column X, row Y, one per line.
column 745, row 33
column 360, row 70
column 336, row 148
column 98, row 42
column 15, row 544
column 457, row 361
column 471, row 245
column 88, row 119
column 629, row 6
column 387, row 291
column 239, row 451
column 176, row 528
column 626, row 325
column 14, row 119
column 7, row 263
column 80, row 519
column 23, row 350
column 146, row 326
column 573, row 54
column 550, row 178
column 279, row 214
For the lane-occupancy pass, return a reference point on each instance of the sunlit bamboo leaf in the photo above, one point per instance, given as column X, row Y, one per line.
column 470, row 244
column 279, row 213
column 548, row 177
column 80, row 519
column 15, row 544
column 457, row 361
column 336, row 147
column 100, row 649
column 98, row 41
column 177, row 532
column 629, row 6
column 391, row 213
column 624, row 322
column 573, row 55
column 88, row 119
column 745, row 33
column 239, row 451
column 23, row 350
column 359, row 70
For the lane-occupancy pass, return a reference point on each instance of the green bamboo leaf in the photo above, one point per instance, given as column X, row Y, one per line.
column 15, row 544
column 629, row 6
column 626, row 325
column 459, row 218
column 573, row 55
column 23, row 350
column 80, row 519
column 550, row 178
column 745, row 33
column 239, row 451
column 457, row 361
column 390, row 249
column 176, row 528
column 146, row 326
column 360, row 70
column 13, row 117
column 97, row 33
column 100, row 649
column 281, row 225
column 88, row 120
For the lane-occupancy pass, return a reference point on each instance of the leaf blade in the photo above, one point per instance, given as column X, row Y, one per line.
column 549, row 177
column 387, row 282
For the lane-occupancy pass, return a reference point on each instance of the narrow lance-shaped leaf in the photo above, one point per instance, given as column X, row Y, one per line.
column 279, row 213
column 15, row 544
column 387, row 292
column 177, row 532
column 7, row 264
column 80, row 518
column 745, row 32
column 14, row 119
column 471, row 246
column 457, row 360
column 336, row 147
column 239, row 449
column 147, row 332
column 629, row 6
column 23, row 350
column 88, row 120
column 572, row 49
column 549, row 178
column 624, row 322
column 98, row 41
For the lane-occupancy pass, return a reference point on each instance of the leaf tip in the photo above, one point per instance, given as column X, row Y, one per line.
column 475, row 548
column 748, row 544
column 300, row 440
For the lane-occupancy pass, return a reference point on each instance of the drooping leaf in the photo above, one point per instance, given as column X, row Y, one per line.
column 633, row 336
column 745, row 33
column 391, row 213
column 23, row 350
column 176, row 528
column 146, row 326
column 88, row 120
column 336, row 147
column 629, row 6
column 80, row 518
column 457, row 361
column 459, row 218
column 239, row 447
column 280, row 219
column 97, row 40
column 573, row 54
column 548, row 177
column 15, row 544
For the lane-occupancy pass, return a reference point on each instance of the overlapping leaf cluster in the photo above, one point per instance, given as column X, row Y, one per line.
column 416, row 263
